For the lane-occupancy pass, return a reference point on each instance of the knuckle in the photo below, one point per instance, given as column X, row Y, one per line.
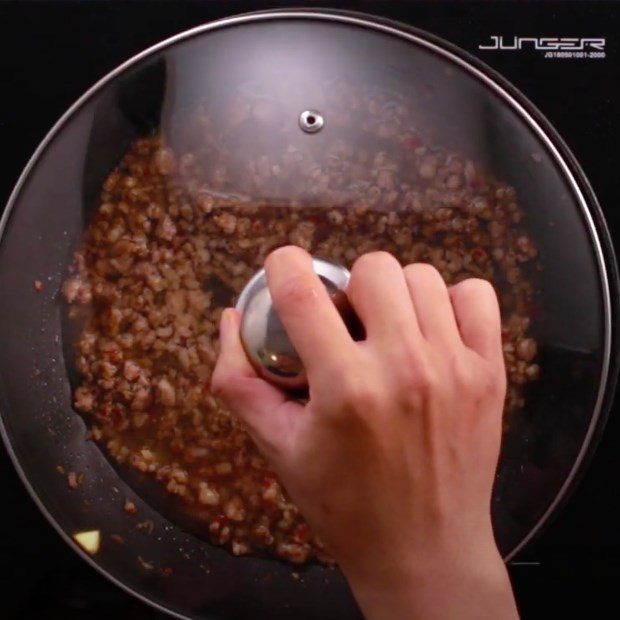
column 412, row 395
column 405, row 364
column 465, row 377
column 496, row 382
column 425, row 379
column 416, row 393
column 356, row 394
column 417, row 377
column 477, row 378
column 491, row 384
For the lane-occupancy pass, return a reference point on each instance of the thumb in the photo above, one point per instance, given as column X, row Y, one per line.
column 265, row 410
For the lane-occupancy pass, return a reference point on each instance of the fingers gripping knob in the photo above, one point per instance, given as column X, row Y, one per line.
column 262, row 334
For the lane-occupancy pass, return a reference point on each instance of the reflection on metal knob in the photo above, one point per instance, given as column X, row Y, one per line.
column 265, row 342
column 311, row 121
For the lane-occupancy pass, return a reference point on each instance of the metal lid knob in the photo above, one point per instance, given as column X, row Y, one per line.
column 265, row 342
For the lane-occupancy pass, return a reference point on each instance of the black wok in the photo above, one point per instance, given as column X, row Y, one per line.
column 546, row 447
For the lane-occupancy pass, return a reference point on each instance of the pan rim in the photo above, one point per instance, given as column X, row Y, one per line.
column 490, row 78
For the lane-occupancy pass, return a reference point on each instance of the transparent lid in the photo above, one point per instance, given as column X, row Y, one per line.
column 172, row 181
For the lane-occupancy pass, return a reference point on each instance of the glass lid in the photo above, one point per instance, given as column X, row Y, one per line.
column 156, row 199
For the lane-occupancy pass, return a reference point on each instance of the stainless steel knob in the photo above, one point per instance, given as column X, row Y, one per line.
column 265, row 342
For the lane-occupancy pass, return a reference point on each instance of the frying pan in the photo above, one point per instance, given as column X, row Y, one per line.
column 163, row 562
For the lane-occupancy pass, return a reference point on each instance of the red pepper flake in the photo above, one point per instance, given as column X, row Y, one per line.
column 129, row 507
column 117, row 538
column 72, row 480
column 300, row 533
column 479, row 255
column 220, row 520
column 114, row 355
column 113, row 412
column 267, row 577
column 166, row 571
column 412, row 142
column 38, row 286
column 476, row 183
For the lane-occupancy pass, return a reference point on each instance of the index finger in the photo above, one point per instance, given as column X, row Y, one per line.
column 310, row 318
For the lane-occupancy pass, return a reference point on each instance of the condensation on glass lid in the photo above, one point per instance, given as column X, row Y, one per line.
column 181, row 227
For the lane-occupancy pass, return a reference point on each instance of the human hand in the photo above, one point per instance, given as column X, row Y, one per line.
column 392, row 460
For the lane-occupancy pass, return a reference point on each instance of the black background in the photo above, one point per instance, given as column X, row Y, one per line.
column 51, row 52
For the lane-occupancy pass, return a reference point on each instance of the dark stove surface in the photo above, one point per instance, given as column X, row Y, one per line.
column 50, row 52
